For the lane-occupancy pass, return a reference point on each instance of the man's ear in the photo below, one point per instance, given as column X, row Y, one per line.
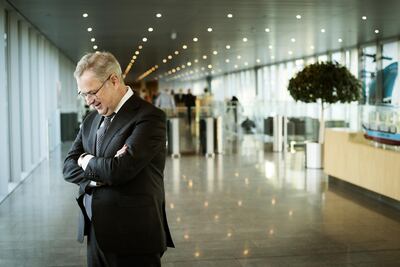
column 115, row 81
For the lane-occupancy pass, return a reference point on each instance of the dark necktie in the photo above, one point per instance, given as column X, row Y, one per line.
column 101, row 132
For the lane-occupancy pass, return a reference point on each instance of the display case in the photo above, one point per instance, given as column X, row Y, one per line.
column 381, row 124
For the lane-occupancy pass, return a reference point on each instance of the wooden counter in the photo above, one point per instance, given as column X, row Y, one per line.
column 350, row 157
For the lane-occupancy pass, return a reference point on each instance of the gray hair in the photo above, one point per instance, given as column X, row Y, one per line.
column 102, row 64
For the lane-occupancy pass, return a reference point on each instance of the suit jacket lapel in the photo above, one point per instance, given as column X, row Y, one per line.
column 124, row 115
column 93, row 132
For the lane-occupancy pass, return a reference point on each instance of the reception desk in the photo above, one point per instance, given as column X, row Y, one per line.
column 350, row 157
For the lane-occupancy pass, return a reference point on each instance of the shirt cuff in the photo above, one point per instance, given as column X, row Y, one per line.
column 85, row 161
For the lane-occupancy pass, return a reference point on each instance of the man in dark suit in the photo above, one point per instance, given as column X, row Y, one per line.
column 180, row 98
column 190, row 101
column 117, row 160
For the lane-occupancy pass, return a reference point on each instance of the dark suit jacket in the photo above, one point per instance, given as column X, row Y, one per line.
column 180, row 98
column 129, row 211
column 190, row 100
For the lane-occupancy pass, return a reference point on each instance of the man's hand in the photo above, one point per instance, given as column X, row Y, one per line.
column 122, row 151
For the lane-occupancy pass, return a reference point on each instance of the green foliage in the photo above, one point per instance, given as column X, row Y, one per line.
column 326, row 81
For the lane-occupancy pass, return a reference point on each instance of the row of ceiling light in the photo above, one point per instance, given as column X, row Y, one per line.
column 174, row 71
column 195, row 39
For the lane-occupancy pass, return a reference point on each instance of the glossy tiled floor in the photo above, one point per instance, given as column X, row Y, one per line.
column 250, row 208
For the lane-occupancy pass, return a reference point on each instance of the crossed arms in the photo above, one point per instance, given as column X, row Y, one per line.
column 146, row 140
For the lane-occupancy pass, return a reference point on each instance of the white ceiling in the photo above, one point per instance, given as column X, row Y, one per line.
column 119, row 27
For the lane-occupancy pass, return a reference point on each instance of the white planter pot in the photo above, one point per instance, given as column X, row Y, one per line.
column 314, row 155
column 277, row 145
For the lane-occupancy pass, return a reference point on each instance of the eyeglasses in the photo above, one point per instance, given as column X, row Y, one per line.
column 94, row 93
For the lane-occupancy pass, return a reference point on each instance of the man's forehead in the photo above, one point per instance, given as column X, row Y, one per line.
column 86, row 81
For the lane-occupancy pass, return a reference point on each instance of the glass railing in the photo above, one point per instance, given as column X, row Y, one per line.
column 256, row 118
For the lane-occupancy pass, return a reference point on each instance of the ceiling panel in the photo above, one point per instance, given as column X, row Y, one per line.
column 119, row 27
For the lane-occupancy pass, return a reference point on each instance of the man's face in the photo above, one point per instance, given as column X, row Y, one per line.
column 100, row 93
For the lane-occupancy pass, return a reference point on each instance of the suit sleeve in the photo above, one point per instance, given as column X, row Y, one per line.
column 145, row 142
column 72, row 172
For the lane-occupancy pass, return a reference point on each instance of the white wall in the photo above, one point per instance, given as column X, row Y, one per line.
column 36, row 83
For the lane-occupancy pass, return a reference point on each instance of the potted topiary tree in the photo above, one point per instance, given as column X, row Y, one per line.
column 324, row 83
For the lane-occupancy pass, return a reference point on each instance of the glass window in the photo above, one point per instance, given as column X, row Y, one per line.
column 267, row 83
column 390, row 77
column 310, row 60
column 323, row 58
column 299, row 64
column 368, row 74
column 338, row 57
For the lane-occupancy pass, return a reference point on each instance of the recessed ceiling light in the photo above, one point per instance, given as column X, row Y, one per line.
column 85, row 15
column 244, row 39
column 92, row 40
column 340, row 40
column 293, row 40
column 298, row 16
column 209, row 66
column 134, row 57
column 258, row 60
column 95, row 47
column 164, row 60
column 209, row 29
column 272, row 57
column 228, row 47
column 132, row 61
column 183, row 66
column 89, row 29
column 236, row 66
column 140, row 46
column 150, row 29
column 364, row 17
column 227, row 60
column 184, row 46
column 176, row 52
column 215, row 52
column 239, row 57
column 144, row 39
column 267, row 29
column 169, row 57
column 202, row 68
column 137, row 52
column 270, row 46
column 246, row 63
column 204, row 57
column 158, row 15
column 376, row 31
column 178, row 68
column 196, row 60
column 230, row 15
column 312, row 47
column 195, row 39
column 322, row 30
column 290, row 52
column 189, row 63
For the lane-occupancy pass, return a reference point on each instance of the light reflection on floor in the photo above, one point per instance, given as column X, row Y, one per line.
column 248, row 207
column 256, row 208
